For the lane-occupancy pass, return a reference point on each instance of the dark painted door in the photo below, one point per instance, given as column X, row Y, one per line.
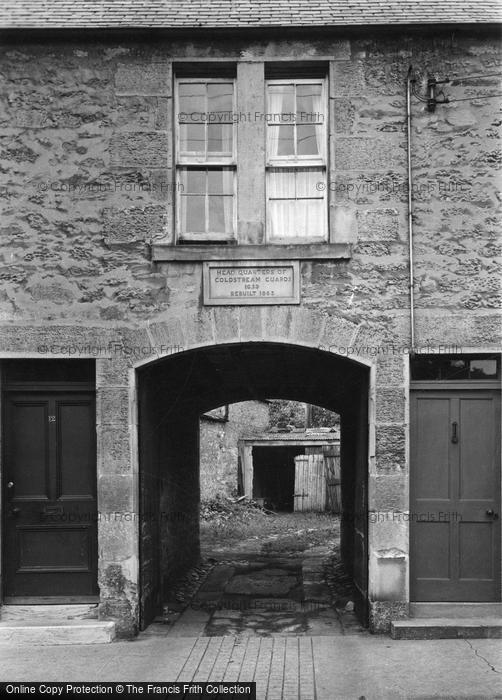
column 50, row 511
column 455, row 496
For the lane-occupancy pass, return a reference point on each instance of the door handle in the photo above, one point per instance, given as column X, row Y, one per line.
column 492, row 514
column 454, row 432
column 10, row 490
column 14, row 512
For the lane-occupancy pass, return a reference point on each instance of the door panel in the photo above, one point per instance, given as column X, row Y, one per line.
column 475, row 561
column 433, row 416
column 476, row 444
column 455, row 496
column 76, row 457
column 310, row 483
column 431, row 547
column 30, row 452
column 55, row 549
column 50, row 511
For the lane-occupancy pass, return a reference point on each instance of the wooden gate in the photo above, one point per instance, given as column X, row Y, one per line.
column 310, row 483
column 333, row 483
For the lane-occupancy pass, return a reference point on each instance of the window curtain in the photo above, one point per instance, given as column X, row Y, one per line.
column 296, row 206
column 228, row 202
column 309, row 204
column 319, row 128
column 281, row 194
column 275, row 102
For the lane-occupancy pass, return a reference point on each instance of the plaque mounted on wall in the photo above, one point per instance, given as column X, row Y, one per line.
column 245, row 282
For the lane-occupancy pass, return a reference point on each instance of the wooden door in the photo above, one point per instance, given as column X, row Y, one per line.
column 455, row 496
column 50, row 512
column 333, row 479
column 310, row 483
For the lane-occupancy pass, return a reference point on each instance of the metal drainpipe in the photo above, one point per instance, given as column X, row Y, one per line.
column 410, row 209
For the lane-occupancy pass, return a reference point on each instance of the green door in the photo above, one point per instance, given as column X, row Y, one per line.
column 455, row 495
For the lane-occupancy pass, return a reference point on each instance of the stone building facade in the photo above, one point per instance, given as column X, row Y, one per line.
column 105, row 295
column 219, row 445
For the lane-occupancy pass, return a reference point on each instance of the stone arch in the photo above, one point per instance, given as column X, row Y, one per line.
column 173, row 392
column 286, row 324
column 164, row 340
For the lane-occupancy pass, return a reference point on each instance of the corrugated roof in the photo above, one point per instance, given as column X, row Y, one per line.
column 225, row 14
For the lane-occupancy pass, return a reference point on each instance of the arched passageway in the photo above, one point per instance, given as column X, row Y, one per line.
column 174, row 391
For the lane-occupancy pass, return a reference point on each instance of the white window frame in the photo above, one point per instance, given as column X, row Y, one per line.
column 298, row 163
column 194, row 161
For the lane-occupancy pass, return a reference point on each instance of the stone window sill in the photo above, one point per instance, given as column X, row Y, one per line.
column 196, row 253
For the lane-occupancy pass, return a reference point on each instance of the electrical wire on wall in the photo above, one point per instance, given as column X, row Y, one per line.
column 435, row 96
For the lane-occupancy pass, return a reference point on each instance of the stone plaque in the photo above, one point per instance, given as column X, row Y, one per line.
column 251, row 282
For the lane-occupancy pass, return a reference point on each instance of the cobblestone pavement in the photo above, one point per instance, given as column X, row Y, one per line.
column 263, row 594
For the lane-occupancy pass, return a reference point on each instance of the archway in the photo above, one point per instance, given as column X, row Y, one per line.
column 174, row 391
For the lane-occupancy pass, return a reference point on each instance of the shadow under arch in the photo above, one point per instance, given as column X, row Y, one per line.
column 172, row 393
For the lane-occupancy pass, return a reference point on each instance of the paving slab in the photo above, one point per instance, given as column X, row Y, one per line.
column 191, row 623
column 284, row 668
column 261, row 584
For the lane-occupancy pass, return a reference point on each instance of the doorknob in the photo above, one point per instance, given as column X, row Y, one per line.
column 492, row 514
column 10, row 485
column 14, row 512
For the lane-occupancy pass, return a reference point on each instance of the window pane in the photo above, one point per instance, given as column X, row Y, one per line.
column 424, row 367
column 308, row 102
column 308, row 182
column 281, row 184
column 219, row 101
column 307, row 144
column 281, row 218
column 480, row 369
column 284, row 136
column 192, row 138
column 193, row 214
column 192, row 98
column 220, row 182
column 228, row 181
column 296, row 203
column 220, row 139
column 194, row 181
column 309, row 218
column 281, row 101
column 220, row 214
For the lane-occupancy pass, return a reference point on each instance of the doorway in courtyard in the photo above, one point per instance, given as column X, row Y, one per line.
column 269, row 525
column 173, row 394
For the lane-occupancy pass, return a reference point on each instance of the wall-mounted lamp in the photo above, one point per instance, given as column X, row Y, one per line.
column 431, row 98
column 432, row 95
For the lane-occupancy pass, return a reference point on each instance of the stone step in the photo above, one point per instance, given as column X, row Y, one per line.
column 455, row 610
column 61, row 613
column 50, row 632
column 447, row 628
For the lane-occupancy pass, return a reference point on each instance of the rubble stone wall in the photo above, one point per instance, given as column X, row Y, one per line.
column 87, row 187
